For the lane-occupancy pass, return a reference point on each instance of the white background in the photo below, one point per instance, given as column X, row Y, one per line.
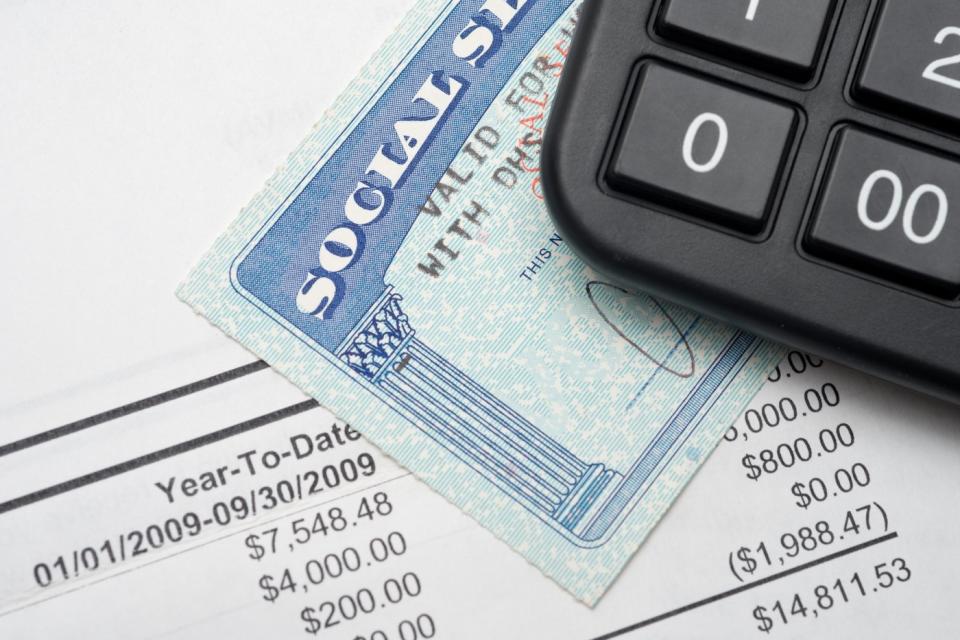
column 132, row 133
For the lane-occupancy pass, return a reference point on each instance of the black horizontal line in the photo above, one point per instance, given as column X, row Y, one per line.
column 746, row 587
column 133, row 407
column 156, row 456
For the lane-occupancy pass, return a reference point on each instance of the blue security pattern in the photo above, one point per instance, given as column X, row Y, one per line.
column 372, row 338
column 357, row 209
column 584, row 500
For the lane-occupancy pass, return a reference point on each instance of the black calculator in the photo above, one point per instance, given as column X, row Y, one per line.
column 789, row 166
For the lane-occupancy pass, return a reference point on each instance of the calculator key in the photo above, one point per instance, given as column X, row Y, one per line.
column 701, row 147
column 913, row 59
column 782, row 35
column 891, row 209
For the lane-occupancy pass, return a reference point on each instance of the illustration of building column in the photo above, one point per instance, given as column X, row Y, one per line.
column 467, row 419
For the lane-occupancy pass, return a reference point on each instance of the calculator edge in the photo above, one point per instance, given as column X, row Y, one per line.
column 571, row 185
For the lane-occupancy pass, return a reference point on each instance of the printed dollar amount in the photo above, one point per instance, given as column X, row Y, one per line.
column 318, row 571
column 843, row 481
column 785, row 411
column 321, row 523
column 422, row 626
column 350, row 606
column 825, row 597
column 794, row 364
column 800, row 450
column 221, row 514
column 749, row 560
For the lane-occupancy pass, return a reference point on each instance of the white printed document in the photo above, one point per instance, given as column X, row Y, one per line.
column 157, row 480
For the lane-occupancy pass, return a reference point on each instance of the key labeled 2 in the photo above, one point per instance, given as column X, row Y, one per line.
column 912, row 63
column 698, row 146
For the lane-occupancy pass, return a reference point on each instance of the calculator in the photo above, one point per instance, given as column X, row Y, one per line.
column 789, row 166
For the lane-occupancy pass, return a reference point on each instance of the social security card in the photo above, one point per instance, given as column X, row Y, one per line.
column 402, row 269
